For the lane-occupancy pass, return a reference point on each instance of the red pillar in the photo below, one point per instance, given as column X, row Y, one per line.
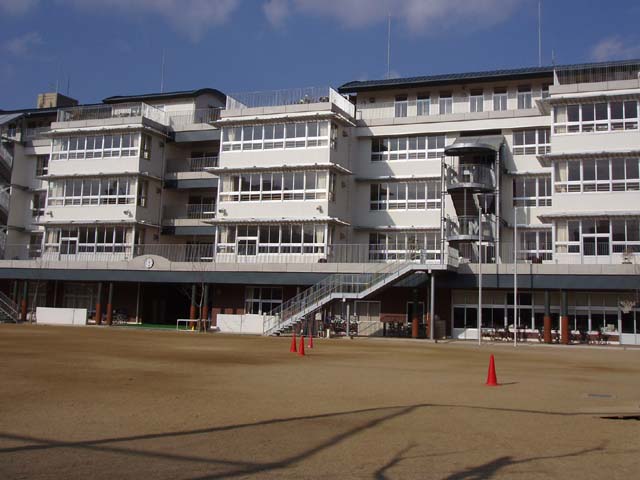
column 564, row 327
column 110, row 304
column 23, row 301
column 415, row 320
column 193, row 309
column 98, row 314
column 547, row 329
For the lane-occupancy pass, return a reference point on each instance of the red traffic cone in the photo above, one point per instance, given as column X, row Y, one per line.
column 301, row 349
column 492, row 381
column 310, row 344
column 293, row 349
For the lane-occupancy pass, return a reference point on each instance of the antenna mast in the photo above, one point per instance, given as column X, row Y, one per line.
column 539, row 33
column 162, row 74
column 389, row 45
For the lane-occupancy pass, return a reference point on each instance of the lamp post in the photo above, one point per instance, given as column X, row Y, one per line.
column 478, row 196
column 515, row 276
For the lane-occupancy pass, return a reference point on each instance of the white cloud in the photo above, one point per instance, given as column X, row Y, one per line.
column 615, row 48
column 276, row 12
column 22, row 45
column 190, row 17
column 16, row 7
column 419, row 16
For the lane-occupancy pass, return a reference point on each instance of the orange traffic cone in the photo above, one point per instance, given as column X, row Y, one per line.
column 310, row 345
column 301, row 349
column 492, row 381
column 293, row 349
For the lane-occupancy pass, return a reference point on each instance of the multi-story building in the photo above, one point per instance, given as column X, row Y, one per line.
column 393, row 203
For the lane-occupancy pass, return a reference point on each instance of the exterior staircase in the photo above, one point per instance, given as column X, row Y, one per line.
column 8, row 309
column 334, row 287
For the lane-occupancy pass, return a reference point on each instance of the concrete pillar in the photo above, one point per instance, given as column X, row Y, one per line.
column 14, row 291
column 24, row 300
column 547, row 317
column 98, row 314
column 110, row 304
column 415, row 320
column 564, row 319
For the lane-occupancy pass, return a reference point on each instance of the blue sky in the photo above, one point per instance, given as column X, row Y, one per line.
column 114, row 47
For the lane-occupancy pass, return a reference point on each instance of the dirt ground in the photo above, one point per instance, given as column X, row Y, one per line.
column 115, row 403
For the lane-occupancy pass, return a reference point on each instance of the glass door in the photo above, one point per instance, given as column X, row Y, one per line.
column 247, row 241
column 596, row 241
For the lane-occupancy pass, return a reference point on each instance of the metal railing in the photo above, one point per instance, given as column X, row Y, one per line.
column 31, row 133
column 341, row 253
column 193, row 211
column 4, row 198
column 334, row 286
column 467, row 226
column 196, row 116
column 8, row 308
column 597, row 73
column 479, row 176
column 275, row 98
column 6, row 156
column 192, row 164
column 121, row 110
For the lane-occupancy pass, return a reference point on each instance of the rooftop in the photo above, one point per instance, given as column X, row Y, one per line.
column 166, row 95
column 471, row 77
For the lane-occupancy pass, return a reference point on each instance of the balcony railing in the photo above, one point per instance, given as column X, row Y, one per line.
column 192, row 164
column 293, row 96
column 471, row 176
column 121, row 110
column 185, row 118
column 4, row 198
column 192, row 211
column 346, row 253
column 31, row 133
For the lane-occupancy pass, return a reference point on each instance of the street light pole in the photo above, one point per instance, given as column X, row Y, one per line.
column 479, row 271
column 515, row 276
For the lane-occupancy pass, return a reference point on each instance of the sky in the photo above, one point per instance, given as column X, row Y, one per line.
column 98, row 48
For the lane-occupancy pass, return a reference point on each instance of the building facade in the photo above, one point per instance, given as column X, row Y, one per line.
column 383, row 203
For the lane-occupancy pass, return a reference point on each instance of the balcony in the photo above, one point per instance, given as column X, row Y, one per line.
column 466, row 229
column 192, row 119
column 296, row 100
column 120, row 113
column 181, row 214
column 6, row 156
column 479, row 178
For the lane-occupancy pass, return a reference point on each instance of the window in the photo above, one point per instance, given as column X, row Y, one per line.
column 95, row 146
column 275, row 136
column 143, row 192
column 532, row 191
column 414, row 245
column 42, row 165
column 625, row 235
column 476, row 101
column 524, row 97
column 545, row 90
column 286, row 238
column 597, row 175
column 145, row 151
column 535, row 245
column 38, row 204
column 401, row 105
column 423, row 105
column 262, row 300
column 499, row 99
column 35, row 245
column 405, row 196
column 87, row 239
column 266, row 186
column 407, row 148
column 531, row 141
column 596, row 117
column 91, row 191
column 445, row 103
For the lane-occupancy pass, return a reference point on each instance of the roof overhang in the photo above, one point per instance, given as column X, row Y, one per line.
column 279, row 168
column 259, row 221
column 8, row 117
column 54, row 222
column 395, row 228
column 166, row 96
column 283, row 117
column 547, row 159
column 105, row 128
column 53, row 176
column 396, row 178
column 479, row 144
column 589, row 214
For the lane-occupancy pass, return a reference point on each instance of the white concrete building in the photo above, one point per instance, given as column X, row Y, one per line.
column 379, row 201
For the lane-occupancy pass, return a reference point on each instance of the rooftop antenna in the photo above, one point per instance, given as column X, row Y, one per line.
column 389, row 45
column 68, row 84
column 162, row 73
column 539, row 33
